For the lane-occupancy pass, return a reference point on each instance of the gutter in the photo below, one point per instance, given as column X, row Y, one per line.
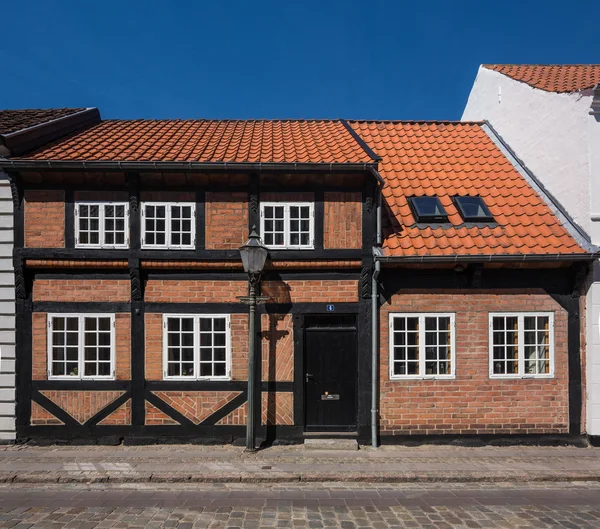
column 35, row 165
column 375, row 312
column 489, row 258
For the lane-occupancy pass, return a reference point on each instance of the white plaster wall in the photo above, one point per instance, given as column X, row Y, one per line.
column 594, row 186
column 593, row 360
column 7, row 315
column 548, row 131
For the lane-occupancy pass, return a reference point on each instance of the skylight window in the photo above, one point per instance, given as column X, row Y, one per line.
column 473, row 209
column 428, row 209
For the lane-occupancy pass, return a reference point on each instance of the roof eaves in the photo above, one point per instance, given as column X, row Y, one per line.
column 576, row 231
column 36, row 165
column 29, row 138
column 482, row 258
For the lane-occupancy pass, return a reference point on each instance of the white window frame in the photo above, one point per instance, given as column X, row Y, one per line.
column 422, row 360
column 81, row 346
column 197, row 376
column 521, row 344
column 102, row 231
column 168, row 245
column 286, row 228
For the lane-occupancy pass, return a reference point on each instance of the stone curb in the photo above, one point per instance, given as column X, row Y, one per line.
column 289, row 477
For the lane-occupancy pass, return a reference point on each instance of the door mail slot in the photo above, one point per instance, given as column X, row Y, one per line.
column 330, row 397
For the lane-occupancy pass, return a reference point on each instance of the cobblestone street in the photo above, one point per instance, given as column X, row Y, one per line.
column 444, row 506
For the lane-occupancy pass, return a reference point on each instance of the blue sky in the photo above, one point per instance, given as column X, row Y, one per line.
column 370, row 59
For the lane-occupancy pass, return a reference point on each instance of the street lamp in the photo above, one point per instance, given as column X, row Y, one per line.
column 254, row 255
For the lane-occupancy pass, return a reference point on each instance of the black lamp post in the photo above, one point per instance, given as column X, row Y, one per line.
column 254, row 255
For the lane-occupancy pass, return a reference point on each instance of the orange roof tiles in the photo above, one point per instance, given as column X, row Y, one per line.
column 552, row 77
column 15, row 120
column 447, row 159
column 260, row 141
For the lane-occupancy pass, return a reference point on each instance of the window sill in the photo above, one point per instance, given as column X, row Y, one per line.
column 423, row 377
column 197, row 379
column 520, row 377
column 75, row 377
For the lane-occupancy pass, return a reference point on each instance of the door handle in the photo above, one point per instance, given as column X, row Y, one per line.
column 309, row 377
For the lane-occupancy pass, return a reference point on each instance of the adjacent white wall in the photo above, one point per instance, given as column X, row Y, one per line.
column 7, row 315
column 548, row 131
column 558, row 139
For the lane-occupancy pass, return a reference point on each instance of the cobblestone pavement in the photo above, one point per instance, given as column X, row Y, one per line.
column 442, row 506
column 121, row 464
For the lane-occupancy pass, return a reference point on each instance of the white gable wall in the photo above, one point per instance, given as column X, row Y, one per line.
column 548, row 131
column 7, row 315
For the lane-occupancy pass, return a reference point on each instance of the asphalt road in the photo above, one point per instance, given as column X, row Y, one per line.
column 445, row 506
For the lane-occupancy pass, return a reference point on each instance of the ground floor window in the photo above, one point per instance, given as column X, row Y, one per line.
column 81, row 346
column 521, row 345
column 196, row 346
column 422, row 345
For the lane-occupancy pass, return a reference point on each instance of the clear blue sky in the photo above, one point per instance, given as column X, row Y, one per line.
column 370, row 59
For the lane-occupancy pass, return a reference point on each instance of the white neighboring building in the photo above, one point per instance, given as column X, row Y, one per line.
column 550, row 116
column 22, row 131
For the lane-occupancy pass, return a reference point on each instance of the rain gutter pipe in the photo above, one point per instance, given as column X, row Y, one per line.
column 375, row 314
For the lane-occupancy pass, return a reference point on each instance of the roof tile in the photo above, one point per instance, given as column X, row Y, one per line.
column 557, row 78
column 444, row 159
column 15, row 120
column 209, row 141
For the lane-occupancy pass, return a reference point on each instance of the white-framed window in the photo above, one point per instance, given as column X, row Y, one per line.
column 81, row 346
column 196, row 346
column 101, row 224
column 288, row 226
column 169, row 225
column 422, row 345
column 521, row 344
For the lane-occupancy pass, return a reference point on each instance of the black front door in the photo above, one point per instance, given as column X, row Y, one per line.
column 331, row 351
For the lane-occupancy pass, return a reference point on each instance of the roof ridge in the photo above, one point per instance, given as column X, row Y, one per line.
column 231, row 120
column 539, row 64
column 418, row 121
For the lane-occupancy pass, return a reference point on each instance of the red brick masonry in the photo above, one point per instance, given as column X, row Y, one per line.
column 473, row 403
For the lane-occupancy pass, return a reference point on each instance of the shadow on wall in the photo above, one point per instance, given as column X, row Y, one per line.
column 272, row 335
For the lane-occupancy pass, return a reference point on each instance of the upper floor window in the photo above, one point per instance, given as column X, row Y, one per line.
column 428, row 209
column 422, row 345
column 168, row 225
column 101, row 224
column 473, row 209
column 196, row 346
column 81, row 346
column 521, row 345
column 287, row 226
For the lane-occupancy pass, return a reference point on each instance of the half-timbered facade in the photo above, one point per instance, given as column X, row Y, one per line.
column 391, row 300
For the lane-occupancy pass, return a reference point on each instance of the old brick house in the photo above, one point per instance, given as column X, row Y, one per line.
column 425, row 240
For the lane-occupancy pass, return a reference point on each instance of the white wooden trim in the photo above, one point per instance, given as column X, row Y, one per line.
column 422, row 359
column 286, row 225
column 521, row 344
column 196, row 318
column 168, row 245
column 101, row 218
column 80, row 346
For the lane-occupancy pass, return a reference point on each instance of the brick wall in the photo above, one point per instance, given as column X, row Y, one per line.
column 299, row 291
column 81, row 405
column 44, row 219
column 39, row 349
column 473, row 403
column 342, row 220
column 226, row 220
column 81, row 290
column 277, row 408
column 106, row 196
column 196, row 406
column 239, row 346
column 171, row 291
column 277, row 333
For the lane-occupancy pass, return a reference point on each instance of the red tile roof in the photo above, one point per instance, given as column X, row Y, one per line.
column 552, row 77
column 15, row 120
column 260, row 141
column 447, row 159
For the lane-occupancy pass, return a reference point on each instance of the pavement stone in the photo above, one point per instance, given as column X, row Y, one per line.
column 227, row 464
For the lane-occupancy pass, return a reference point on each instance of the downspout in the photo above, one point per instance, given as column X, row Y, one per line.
column 375, row 314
